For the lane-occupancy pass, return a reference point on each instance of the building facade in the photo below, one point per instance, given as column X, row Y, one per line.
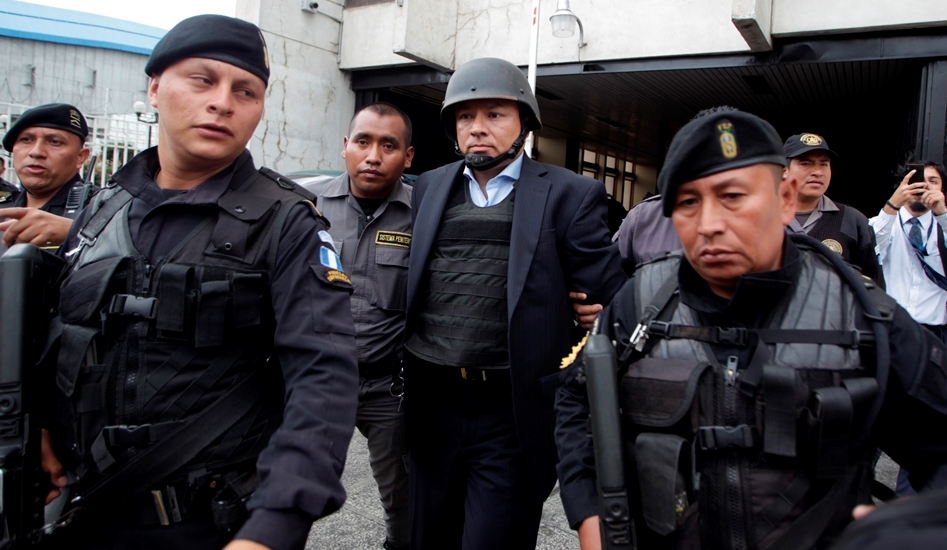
column 96, row 63
column 869, row 75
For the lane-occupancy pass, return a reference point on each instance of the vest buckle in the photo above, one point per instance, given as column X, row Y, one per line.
column 717, row 438
column 133, row 306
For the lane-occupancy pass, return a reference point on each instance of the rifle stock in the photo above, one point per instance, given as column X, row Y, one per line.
column 601, row 371
column 27, row 295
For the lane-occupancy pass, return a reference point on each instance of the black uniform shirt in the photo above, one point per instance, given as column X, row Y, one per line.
column 8, row 192
column 912, row 428
column 56, row 205
column 314, row 341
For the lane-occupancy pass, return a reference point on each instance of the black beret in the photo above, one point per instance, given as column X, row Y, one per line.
column 219, row 37
column 59, row 116
column 714, row 143
column 801, row 144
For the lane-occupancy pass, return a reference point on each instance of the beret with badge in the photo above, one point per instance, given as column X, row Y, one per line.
column 58, row 116
column 715, row 143
column 217, row 37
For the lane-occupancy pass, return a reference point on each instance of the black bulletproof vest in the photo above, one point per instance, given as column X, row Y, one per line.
column 145, row 347
column 463, row 319
column 767, row 439
column 829, row 226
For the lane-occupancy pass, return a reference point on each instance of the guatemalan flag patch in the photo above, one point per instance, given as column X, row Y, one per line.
column 329, row 258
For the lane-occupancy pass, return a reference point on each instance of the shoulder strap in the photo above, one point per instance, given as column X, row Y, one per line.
column 160, row 460
column 941, row 247
column 103, row 211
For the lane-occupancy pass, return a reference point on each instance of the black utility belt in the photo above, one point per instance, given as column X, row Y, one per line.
column 221, row 498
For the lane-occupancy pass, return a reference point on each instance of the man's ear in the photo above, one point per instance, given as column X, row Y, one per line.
column 408, row 156
column 83, row 156
column 787, row 194
column 153, row 90
column 345, row 144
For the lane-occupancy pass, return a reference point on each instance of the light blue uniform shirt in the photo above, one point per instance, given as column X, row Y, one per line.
column 498, row 187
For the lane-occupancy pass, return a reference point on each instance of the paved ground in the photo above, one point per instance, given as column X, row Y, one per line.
column 359, row 524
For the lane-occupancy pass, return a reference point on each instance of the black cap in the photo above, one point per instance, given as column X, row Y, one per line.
column 801, row 144
column 219, row 37
column 60, row 116
column 714, row 143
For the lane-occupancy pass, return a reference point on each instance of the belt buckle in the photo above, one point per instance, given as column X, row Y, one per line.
column 463, row 374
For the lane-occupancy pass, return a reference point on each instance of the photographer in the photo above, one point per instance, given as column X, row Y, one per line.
column 910, row 247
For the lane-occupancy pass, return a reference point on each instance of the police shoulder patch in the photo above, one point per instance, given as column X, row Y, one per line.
column 334, row 275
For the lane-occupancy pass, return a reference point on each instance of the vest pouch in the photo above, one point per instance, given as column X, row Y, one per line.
column 666, row 476
column 825, row 427
column 236, row 234
column 83, row 290
column 662, row 395
column 89, row 403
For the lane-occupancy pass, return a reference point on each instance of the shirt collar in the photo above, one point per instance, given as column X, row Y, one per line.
column 926, row 218
column 340, row 187
column 138, row 178
column 826, row 205
column 511, row 172
column 59, row 199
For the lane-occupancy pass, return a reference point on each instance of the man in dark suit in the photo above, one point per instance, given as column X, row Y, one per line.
column 489, row 316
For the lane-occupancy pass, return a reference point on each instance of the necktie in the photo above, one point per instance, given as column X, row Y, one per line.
column 914, row 235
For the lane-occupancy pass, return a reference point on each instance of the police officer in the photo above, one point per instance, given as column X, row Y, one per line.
column 48, row 146
column 839, row 226
column 498, row 242
column 760, row 364
column 370, row 210
column 8, row 191
column 206, row 379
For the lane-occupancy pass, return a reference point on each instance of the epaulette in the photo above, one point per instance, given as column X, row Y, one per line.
column 290, row 185
column 574, row 354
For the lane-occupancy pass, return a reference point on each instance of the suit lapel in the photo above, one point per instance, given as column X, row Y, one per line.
column 532, row 189
column 426, row 220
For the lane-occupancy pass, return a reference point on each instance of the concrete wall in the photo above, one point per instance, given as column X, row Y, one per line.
column 801, row 17
column 614, row 29
column 309, row 101
column 95, row 80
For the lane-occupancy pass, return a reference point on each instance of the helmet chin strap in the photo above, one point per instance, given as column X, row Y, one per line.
column 486, row 162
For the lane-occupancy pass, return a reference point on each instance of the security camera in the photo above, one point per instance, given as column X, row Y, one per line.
column 310, row 6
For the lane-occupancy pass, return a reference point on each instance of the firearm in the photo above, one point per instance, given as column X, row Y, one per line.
column 79, row 194
column 27, row 295
column 601, row 372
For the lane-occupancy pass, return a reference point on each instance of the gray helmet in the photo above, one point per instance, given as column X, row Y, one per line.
column 488, row 78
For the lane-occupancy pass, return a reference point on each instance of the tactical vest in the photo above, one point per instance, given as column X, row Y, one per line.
column 145, row 347
column 463, row 320
column 750, row 446
column 828, row 230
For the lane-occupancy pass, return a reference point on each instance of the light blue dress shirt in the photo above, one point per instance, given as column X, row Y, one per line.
column 498, row 187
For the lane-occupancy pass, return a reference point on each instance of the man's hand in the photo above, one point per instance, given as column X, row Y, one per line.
column 34, row 226
column 584, row 314
column 242, row 544
column 933, row 199
column 590, row 537
column 863, row 510
column 51, row 466
column 907, row 192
